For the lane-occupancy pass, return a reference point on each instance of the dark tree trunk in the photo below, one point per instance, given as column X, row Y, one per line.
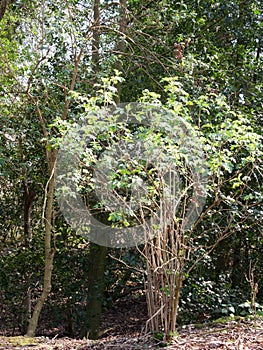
column 96, row 262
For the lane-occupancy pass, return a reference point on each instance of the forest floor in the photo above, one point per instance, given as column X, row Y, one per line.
column 123, row 328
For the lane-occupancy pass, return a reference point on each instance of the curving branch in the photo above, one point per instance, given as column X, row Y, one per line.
column 3, row 7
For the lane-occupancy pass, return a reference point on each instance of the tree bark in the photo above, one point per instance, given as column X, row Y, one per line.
column 165, row 262
column 97, row 254
column 29, row 195
column 96, row 279
column 49, row 251
column 121, row 45
column 95, row 59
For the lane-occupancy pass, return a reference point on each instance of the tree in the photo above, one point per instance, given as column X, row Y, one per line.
column 31, row 95
column 215, row 53
column 48, row 96
column 234, row 154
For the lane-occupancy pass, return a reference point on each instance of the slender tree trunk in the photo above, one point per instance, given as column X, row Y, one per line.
column 29, row 195
column 121, row 45
column 95, row 58
column 49, row 251
column 51, row 156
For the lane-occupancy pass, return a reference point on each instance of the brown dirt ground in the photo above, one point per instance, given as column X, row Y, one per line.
column 123, row 328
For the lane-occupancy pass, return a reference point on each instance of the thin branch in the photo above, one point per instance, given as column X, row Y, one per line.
column 72, row 84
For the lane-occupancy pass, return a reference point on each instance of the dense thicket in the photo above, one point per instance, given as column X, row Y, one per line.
column 202, row 60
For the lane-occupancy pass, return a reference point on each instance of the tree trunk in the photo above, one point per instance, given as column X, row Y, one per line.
column 121, row 45
column 95, row 59
column 29, row 195
column 97, row 254
column 165, row 263
column 96, row 269
column 49, row 251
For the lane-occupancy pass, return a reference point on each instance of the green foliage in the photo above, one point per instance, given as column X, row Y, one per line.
column 202, row 299
column 19, row 282
column 200, row 60
column 246, row 309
